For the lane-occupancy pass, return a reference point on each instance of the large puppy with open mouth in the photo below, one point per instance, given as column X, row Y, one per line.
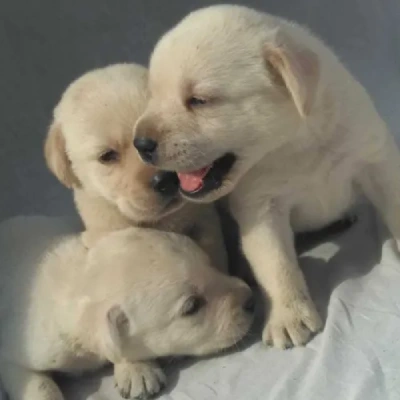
column 89, row 149
column 252, row 106
column 136, row 295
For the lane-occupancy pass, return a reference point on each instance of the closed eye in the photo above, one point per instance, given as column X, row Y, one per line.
column 195, row 101
column 193, row 305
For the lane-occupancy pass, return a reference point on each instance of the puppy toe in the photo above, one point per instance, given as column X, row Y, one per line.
column 153, row 381
column 292, row 325
column 313, row 321
column 299, row 334
column 276, row 337
column 281, row 339
column 139, row 380
column 267, row 337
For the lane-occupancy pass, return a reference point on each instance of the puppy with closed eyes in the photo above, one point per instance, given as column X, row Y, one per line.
column 136, row 295
column 89, row 149
column 252, row 106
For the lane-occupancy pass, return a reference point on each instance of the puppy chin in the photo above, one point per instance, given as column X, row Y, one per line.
column 173, row 206
column 135, row 214
column 210, row 197
column 142, row 216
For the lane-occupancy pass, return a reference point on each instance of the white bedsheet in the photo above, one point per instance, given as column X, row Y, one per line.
column 46, row 44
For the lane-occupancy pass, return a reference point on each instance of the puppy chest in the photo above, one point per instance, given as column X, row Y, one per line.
column 320, row 203
column 62, row 353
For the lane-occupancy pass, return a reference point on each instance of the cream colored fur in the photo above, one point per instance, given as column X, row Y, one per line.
column 307, row 137
column 97, row 113
column 67, row 308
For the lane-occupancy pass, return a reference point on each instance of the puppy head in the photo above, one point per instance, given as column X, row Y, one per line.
column 89, row 144
column 161, row 297
column 227, row 87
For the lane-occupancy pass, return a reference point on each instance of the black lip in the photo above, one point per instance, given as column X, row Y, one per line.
column 215, row 176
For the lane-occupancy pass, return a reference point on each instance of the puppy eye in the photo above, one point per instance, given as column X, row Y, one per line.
column 109, row 156
column 193, row 305
column 195, row 101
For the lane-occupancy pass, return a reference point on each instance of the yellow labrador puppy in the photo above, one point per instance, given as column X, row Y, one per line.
column 89, row 149
column 136, row 295
column 251, row 105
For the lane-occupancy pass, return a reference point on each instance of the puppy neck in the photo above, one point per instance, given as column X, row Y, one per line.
column 98, row 213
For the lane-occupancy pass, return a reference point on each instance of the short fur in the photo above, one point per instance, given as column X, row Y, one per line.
column 307, row 137
column 68, row 308
column 97, row 113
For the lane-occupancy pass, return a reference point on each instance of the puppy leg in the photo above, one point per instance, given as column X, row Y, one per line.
column 208, row 235
column 268, row 245
column 23, row 384
column 380, row 182
column 138, row 380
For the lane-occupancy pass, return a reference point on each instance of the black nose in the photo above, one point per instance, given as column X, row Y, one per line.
column 165, row 183
column 250, row 304
column 146, row 148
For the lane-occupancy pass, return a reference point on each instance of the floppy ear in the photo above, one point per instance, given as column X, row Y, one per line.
column 56, row 157
column 116, row 326
column 297, row 68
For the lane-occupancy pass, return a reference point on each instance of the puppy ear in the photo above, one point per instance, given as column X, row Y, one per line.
column 116, row 326
column 297, row 68
column 56, row 157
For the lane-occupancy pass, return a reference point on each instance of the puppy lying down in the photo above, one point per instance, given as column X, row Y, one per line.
column 89, row 149
column 256, row 109
column 136, row 295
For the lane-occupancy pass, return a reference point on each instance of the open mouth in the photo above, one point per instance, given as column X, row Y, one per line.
column 204, row 180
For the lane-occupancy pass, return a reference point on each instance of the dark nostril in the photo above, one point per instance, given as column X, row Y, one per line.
column 166, row 183
column 145, row 144
column 146, row 148
column 250, row 304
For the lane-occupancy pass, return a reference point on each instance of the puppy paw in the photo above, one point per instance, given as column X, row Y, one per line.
column 292, row 324
column 140, row 380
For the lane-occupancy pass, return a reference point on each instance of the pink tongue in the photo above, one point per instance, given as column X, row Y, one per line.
column 193, row 181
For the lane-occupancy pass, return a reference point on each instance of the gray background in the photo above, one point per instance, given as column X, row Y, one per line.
column 44, row 44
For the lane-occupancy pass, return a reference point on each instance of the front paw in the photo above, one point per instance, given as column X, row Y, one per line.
column 292, row 324
column 140, row 380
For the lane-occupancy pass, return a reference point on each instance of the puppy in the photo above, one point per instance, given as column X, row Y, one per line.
column 89, row 149
column 136, row 295
column 252, row 106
